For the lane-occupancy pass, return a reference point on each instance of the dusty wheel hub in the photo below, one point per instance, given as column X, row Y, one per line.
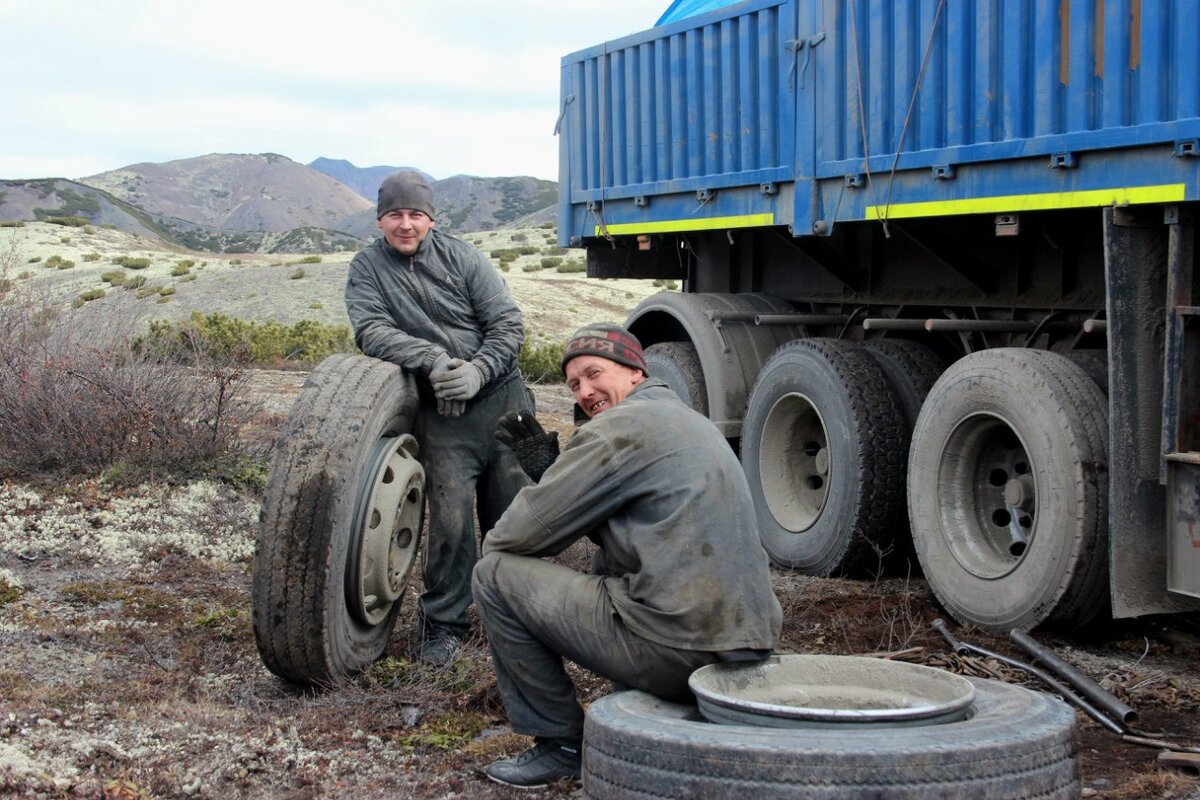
column 387, row 529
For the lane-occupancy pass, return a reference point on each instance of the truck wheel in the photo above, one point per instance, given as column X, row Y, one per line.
column 340, row 522
column 1018, row 743
column 1008, row 488
column 912, row 369
column 823, row 451
column 678, row 364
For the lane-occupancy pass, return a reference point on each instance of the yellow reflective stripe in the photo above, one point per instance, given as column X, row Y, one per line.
column 671, row 225
column 1127, row 195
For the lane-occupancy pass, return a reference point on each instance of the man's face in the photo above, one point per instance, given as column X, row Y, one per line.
column 405, row 229
column 599, row 384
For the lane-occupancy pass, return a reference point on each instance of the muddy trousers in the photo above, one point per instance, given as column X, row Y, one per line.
column 463, row 465
column 537, row 613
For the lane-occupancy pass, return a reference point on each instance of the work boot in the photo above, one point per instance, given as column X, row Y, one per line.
column 439, row 646
column 548, row 761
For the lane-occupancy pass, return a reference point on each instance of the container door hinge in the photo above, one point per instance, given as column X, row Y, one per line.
column 943, row 172
column 1062, row 160
column 856, row 181
column 1187, row 147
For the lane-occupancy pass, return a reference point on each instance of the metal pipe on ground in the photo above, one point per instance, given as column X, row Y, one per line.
column 1080, row 682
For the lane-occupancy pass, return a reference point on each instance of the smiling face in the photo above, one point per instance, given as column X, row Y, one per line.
column 599, row 384
column 405, row 229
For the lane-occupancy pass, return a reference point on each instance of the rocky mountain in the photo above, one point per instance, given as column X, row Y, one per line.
column 246, row 193
column 266, row 203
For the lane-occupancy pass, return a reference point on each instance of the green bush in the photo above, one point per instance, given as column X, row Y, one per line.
column 554, row 251
column 58, row 262
column 187, row 278
column 296, row 274
column 90, row 257
column 186, row 263
column 507, row 257
column 136, row 282
column 540, row 363
column 499, row 253
column 316, row 306
column 306, row 260
column 131, row 262
column 11, row 223
column 548, row 225
column 34, row 260
column 504, row 267
column 665, row 284
column 70, row 222
column 116, row 277
column 549, row 262
column 179, row 270
column 527, row 250
column 307, row 341
column 166, row 290
column 572, row 266
column 64, row 239
column 145, row 291
column 89, row 296
column 520, row 237
column 531, row 268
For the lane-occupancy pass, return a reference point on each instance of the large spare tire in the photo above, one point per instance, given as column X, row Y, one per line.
column 340, row 522
column 1018, row 743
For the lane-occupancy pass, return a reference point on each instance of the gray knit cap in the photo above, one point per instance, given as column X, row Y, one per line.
column 404, row 189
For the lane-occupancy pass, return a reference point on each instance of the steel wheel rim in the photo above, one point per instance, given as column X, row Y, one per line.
column 794, row 462
column 387, row 529
column 983, row 467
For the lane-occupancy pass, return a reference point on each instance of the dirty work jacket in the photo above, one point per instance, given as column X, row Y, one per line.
column 446, row 297
column 664, row 496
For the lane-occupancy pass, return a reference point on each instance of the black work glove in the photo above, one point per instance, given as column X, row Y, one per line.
column 536, row 450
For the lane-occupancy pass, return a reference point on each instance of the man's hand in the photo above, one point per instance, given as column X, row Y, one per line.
column 461, row 382
column 536, row 450
column 441, row 365
column 451, row 408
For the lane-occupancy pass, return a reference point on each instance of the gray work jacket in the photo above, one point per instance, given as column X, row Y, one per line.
column 659, row 489
column 445, row 298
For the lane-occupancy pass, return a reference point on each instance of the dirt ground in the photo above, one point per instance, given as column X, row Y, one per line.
column 128, row 668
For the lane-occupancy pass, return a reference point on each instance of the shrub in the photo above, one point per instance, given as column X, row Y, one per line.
column 665, row 284
column 531, row 268
column 316, row 306
column 296, row 274
column 64, row 239
column 554, row 251
column 508, row 256
column 548, row 225
column 187, row 278
column 116, row 277
column 549, row 262
column 69, row 221
column 166, row 290
column 131, row 262
column 540, row 363
column 88, row 296
column 69, row 405
column 11, row 223
column 504, row 267
column 186, row 263
column 34, row 259
column 307, row 341
column 572, row 266
column 306, row 260
column 135, row 282
column 499, row 253
column 520, row 237
column 179, row 270
column 145, row 291
column 90, row 257
column 58, row 262
column 527, row 250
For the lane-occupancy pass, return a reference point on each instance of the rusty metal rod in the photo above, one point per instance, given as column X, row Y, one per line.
column 1080, row 682
column 962, row 648
column 800, row 319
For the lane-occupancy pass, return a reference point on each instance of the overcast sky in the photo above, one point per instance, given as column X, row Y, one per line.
column 448, row 86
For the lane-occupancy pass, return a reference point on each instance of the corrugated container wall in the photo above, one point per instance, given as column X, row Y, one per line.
column 765, row 110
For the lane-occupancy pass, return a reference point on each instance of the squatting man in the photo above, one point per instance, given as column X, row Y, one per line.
column 679, row 580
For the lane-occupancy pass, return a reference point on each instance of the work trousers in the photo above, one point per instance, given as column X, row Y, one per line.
column 464, row 465
column 535, row 614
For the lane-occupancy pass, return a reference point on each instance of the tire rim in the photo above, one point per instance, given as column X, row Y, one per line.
column 987, row 492
column 387, row 529
column 794, row 462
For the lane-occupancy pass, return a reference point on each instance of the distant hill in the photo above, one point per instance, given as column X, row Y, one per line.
column 363, row 180
column 49, row 198
column 266, row 203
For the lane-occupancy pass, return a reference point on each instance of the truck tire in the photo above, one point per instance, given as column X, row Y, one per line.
column 912, row 369
column 1012, row 441
column 678, row 364
column 1018, row 743
column 823, row 449
column 340, row 522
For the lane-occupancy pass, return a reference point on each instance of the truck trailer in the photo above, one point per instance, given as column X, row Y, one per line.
column 938, row 278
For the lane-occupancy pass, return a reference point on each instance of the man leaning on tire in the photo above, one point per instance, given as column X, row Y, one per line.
column 435, row 306
column 679, row 580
